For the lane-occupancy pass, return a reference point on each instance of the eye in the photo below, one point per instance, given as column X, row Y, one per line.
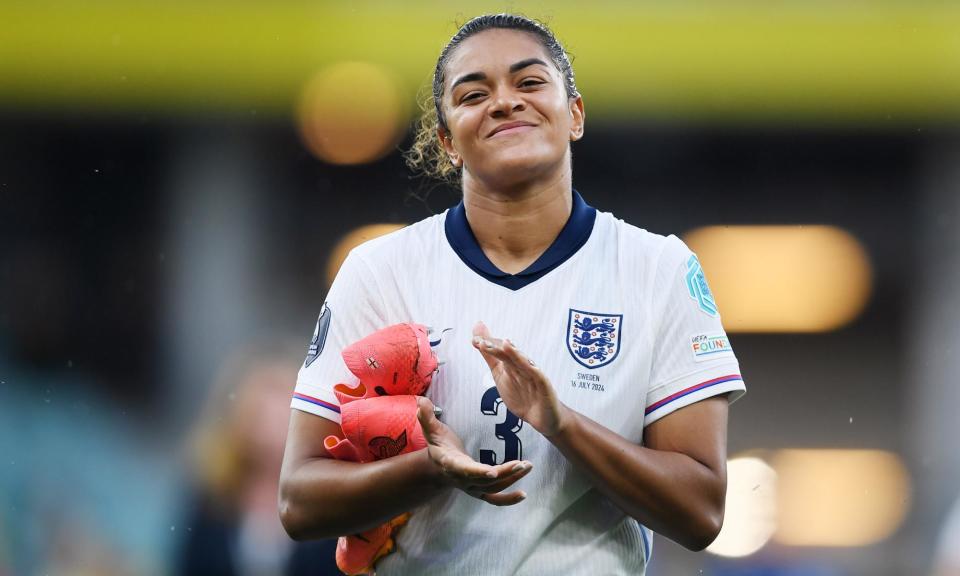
column 471, row 96
column 528, row 82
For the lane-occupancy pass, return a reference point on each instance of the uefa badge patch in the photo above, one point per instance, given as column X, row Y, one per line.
column 593, row 339
column 697, row 287
column 319, row 336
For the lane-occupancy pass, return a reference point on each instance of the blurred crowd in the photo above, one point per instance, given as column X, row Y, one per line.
column 86, row 492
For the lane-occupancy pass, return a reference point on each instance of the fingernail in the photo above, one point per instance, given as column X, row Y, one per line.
column 477, row 340
column 523, row 495
column 488, row 344
column 492, row 474
column 519, row 467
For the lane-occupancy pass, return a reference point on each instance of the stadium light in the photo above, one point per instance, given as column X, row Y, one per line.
column 839, row 497
column 751, row 508
column 352, row 113
column 784, row 278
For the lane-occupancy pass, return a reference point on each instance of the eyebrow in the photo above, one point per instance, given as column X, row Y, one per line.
column 475, row 76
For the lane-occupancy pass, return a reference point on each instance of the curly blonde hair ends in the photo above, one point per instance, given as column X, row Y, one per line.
column 426, row 155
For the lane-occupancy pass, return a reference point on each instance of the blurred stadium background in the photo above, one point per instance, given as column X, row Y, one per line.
column 178, row 181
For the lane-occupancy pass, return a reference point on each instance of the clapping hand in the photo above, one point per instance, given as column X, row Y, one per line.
column 523, row 387
column 461, row 471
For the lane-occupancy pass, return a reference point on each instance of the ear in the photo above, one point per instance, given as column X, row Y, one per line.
column 447, row 142
column 577, row 117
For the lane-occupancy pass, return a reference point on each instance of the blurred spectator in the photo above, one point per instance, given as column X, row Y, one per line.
column 231, row 525
column 947, row 561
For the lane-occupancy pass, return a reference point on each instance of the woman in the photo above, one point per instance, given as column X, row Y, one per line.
column 560, row 458
column 229, row 524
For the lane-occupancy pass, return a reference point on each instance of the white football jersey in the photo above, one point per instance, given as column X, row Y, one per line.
column 620, row 320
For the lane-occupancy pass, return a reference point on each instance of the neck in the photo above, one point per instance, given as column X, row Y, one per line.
column 515, row 225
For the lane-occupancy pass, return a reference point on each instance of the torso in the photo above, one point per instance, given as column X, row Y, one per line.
column 620, row 320
column 582, row 324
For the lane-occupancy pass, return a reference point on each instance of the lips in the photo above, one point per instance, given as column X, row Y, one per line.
column 508, row 126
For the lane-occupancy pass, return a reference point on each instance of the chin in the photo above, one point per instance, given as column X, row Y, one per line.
column 523, row 163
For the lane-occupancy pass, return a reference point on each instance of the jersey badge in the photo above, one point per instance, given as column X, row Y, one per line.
column 698, row 288
column 593, row 339
column 709, row 346
column 319, row 336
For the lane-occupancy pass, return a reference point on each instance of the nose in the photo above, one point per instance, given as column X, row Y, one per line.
column 505, row 103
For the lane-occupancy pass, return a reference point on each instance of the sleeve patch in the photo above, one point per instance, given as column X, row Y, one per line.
column 697, row 287
column 319, row 336
column 710, row 346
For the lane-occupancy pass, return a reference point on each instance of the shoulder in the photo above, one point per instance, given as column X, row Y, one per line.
column 638, row 246
column 411, row 241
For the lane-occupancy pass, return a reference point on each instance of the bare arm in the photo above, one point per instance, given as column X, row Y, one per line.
column 322, row 497
column 675, row 484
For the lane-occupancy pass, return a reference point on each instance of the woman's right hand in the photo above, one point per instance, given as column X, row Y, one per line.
column 461, row 471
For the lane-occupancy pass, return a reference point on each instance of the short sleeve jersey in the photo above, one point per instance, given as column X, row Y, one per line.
column 621, row 321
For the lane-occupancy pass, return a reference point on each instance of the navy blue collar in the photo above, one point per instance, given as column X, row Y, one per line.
column 574, row 235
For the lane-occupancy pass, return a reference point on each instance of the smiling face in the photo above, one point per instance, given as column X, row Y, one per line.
column 508, row 115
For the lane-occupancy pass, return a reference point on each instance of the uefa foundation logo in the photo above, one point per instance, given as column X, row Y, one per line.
column 593, row 339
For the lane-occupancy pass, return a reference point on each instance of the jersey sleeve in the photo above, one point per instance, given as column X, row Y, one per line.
column 692, row 357
column 353, row 309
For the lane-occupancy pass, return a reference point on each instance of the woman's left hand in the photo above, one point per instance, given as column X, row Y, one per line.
column 523, row 387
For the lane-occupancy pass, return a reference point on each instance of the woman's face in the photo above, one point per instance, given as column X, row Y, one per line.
column 507, row 111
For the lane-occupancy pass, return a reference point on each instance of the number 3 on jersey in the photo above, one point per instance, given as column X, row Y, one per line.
column 507, row 430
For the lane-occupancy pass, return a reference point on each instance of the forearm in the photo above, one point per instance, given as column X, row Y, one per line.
column 322, row 497
column 669, row 492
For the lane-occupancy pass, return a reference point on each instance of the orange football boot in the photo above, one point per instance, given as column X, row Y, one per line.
column 378, row 418
column 395, row 360
column 377, row 428
column 358, row 553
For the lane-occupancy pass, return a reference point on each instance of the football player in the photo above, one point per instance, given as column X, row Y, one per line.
column 587, row 376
